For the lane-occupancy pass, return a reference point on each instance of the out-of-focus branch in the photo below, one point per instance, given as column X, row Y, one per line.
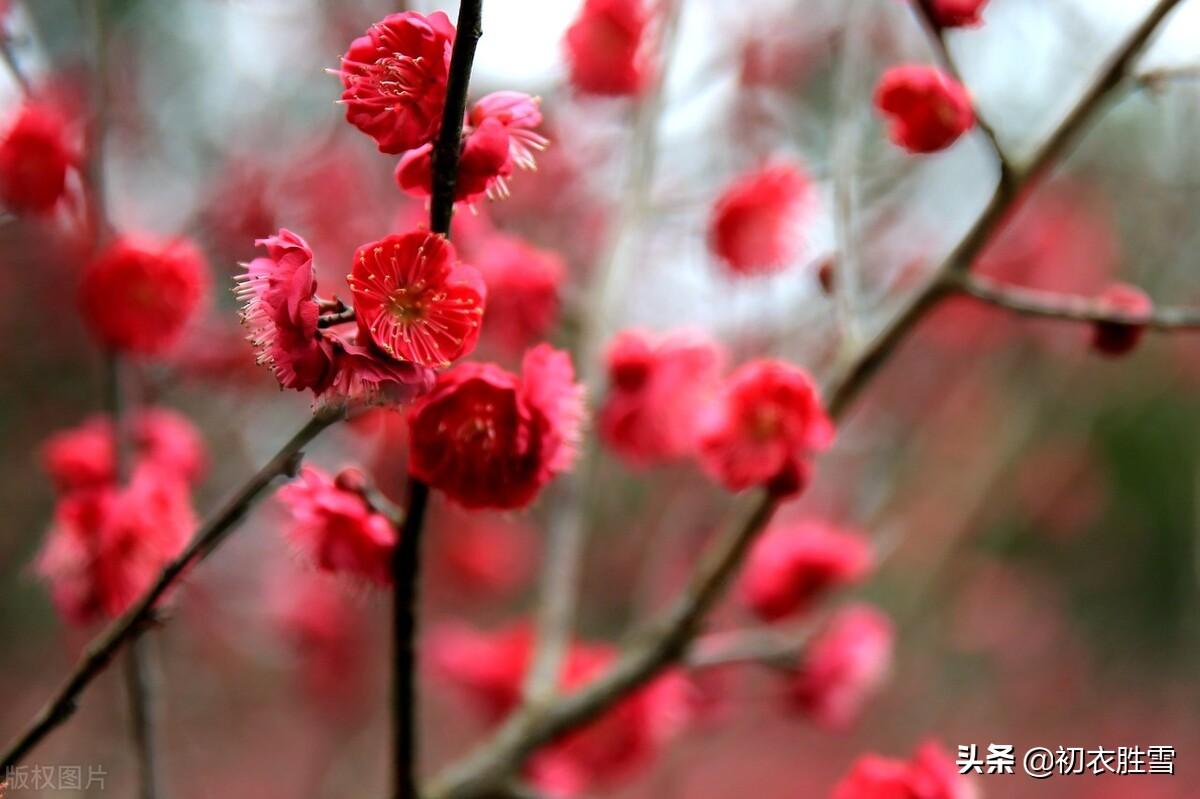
column 846, row 142
column 103, row 648
column 668, row 639
column 765, row 647
column 847, row 386
column 1069, row 307
column 1158, row 79
column 927, row 15
column 94, row 180
column 406, row 558
column 10, row 59
column 568, row 537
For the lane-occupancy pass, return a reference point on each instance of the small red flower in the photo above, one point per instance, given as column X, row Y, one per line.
column 843, row 666
column 137, row 294
column 658, row 387
column 490, row 439
column 930, row 774
column 792, row 566
column 523, row 290
column 281, row 313
column 35, row 157
column 755, row 224
column 958, row 13
column 85, row 456
column 395, row 79
column 498, row 136
column 108, row 544
column 927, row 110
column 764, row 429
column 415, row 300
column 605, row 50
column 1115, row 338
column 335, row 528
column 483, row 555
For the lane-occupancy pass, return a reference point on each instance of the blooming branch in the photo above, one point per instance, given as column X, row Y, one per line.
column 669, row 638
column 103, row 648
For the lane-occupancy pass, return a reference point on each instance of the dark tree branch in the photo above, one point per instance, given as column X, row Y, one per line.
column 406, row 558
column 100, row 652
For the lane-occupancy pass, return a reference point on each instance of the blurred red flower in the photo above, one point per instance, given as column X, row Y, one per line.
column 794, row 565
column 605, row 50
column 415, row 300
column 930, row 774
column 755, row 224
column 107, row 545
column 35, row 157
column 958, row 13
column 491, row 667
column 523, row 290
column 488, row 438
column 658, row 387
column 85, row 456
column 335, row 528
column 137, row 294
column 1116, row 338
column 927, row 110
column 764, row 428
column 395, row 79
column 843, row 666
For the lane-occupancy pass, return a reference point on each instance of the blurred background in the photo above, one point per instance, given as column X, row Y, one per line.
column 1035, row 506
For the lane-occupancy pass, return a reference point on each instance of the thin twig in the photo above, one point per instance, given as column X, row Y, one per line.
column 847, row 386
column 139, row 684
column 567, row 541
column 99, row 223
column 765, row 647
column 927, row 15
column 668, row 639
column 1070, row 307
column 406, row 558
column 10, row 60
column 104, row 647
column 339, row 318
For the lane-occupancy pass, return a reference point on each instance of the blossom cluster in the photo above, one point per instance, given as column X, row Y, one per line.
column 109, row 539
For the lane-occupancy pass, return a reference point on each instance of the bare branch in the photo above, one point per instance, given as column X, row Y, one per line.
column 1069, row 307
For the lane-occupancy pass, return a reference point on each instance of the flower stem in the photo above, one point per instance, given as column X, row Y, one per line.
column 406, row 559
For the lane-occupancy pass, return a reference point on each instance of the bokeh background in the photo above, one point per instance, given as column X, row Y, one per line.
column 1038, row 506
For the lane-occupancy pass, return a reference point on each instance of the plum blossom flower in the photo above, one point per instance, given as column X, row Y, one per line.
column 523, row 290
column 395, row 79
column 764, row 428
column 498, row 136
column 414, row 299
column 335, row 528
column 659, row 386
column 843, row 666
column 605, row 48
column 930, row 774
column 755, row 224
column 488, row 438
column 1115, row 338
column 362, row 375
column 958, row 13
column 793, row 565
column 281, row 312
column 137, row 294
column 84, row 457
column 107, row 545
column 927, row 110
column 35, row 158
